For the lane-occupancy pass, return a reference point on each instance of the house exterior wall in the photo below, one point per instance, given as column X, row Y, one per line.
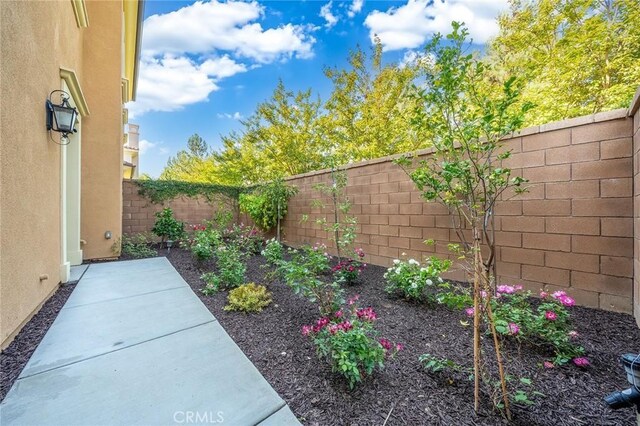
column 37, row 40
column 32, row 54
column 573, row 230
column 102, row 131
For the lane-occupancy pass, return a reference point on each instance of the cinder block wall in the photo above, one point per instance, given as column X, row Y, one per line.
column 139, row 213
column 573, row 229
column 635, row 112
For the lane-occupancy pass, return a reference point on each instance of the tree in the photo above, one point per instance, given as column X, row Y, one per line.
column 192, row 164
column 464, row 172
column 282, row 138
column 577, row 56
column 366, row 115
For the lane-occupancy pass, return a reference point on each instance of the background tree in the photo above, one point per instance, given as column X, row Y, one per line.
column 578, row 57
column 191, row 164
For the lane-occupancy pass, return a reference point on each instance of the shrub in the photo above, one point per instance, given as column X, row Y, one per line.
column 267, row 205
column 349, row 341
column 204, row 242
column 168, row 227
column 302, row 275
column 221, row 220
column 248, row 298
column 347, row 271
column 246, row 238
column 230, row 274
column 412, row 280
column 135, row 245
column 545, row 323
column 273, row 252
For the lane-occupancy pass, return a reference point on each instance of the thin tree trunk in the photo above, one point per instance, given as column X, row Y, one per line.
column 476, row 319
column 278, row 226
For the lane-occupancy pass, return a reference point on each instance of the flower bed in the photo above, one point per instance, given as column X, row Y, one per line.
column 404, row 391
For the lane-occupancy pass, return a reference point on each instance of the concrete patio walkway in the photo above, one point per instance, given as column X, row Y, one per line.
column 134, row 345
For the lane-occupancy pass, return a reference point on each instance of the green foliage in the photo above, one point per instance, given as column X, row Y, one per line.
column 273, row 252
column 546, row 324
column 159, row 191
column 577, row 57
column 135, row 245
column 414, row 281
column 204, row 242
column 340, row 226
column 267, row 204
column 436, row 364
column 248, row 298
column 231, row 270
column 222, row 220
column 301, row 274
column 168, row 227
column 246, row 239
column 349, row 342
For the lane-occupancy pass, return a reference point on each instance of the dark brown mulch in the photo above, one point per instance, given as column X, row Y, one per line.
column 15, row 356
column 404, row 392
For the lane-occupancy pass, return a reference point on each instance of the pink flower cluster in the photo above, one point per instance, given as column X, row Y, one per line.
column 514, row 328
column 508, row 289
column 343, row 326
column 550, row 315
column 388, row 346
column 359, row 252
column 562, row 297
column 198, row 227
column 366, row 314
column 581, row 362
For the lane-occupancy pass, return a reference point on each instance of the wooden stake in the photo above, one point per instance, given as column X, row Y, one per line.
column 476, row 321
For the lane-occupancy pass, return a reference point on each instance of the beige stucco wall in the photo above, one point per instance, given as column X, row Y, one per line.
column 32, row 54
column 102, row 136
column 37, row 39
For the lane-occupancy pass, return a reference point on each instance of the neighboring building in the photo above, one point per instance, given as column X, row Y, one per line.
column 131, row 148
column 60, row 204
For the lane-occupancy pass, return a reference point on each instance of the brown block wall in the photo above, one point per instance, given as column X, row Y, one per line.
column 139, row 213
column 573, row 229
column 634, row 111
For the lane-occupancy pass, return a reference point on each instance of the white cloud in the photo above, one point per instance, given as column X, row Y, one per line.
column 327, row 15
column 146, row 146
column 410, row 25
column 186, row 53
column 204, row 27
column 235, row 116
column 355, row 8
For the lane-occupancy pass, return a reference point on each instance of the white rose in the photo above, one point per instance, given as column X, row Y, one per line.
column 429, row 282
column 396, row 261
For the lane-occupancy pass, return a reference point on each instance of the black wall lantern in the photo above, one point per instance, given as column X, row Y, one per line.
column 61, row 118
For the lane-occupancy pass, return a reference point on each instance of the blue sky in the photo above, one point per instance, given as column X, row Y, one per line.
column 207, row 64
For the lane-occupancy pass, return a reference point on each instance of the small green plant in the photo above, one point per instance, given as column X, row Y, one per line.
column 301, row 274
column 273, row 252
column 222, row 220
column 349, row 341
column 135, row 245
column 246, row 238
column 204, row 242
column 412, row 280
column 341, row 227
column 348, row 270
column 248, row 298
column 167, row 227
column 231, row 270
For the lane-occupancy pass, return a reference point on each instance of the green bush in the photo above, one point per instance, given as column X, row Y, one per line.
column 136, row 245
column 248, row 298
column 273, row 252
column 230, row 274
column 267, row 204
column 168, row 227
column 412, row 280
column 204, row 243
